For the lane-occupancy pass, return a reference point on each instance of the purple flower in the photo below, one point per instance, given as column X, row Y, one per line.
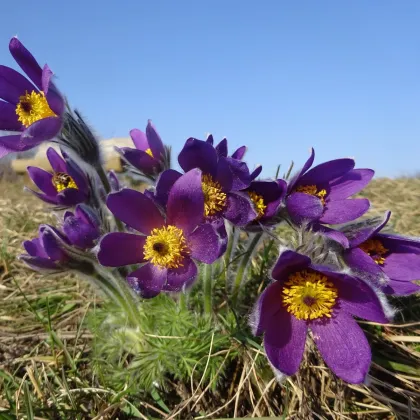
column 222, row 149
column 266, row 197
column 33, row 110
column 389, row 261
column 222, row 181
column 67, row 186
column 149, row 155
column 307, row 297
column 81, row 227
column 322, row 193
column 45, row 251
column 166, row 246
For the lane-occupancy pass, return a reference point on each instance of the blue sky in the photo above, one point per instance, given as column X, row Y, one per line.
column 280, row 77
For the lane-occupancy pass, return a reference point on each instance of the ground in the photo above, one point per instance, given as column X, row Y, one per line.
column 46, row 346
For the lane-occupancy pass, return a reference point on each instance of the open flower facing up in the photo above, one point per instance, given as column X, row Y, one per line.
column 149, row 156
column 391, row 262
column 222, row 179
column 32, row 109
column 81, row 227
column 45, row 252
column 166, row 246
column 306, row 297
column 66, row 187
column 266, row 197
column 321, row 194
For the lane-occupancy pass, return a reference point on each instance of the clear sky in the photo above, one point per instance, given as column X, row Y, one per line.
column 278, row 76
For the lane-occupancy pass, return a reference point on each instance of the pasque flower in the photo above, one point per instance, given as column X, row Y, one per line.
column 390, row 261
column 149, row 155
column 322, row 193
column 66, row 186
column 82, row 227
column 45, row 251
column 306, row 297
column 32, row 109
column 166, row 245
column 222, row 181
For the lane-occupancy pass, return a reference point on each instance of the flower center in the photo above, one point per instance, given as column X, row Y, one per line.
column 166, row 247
column 313, row 190
column 214, row 197
column 33, row 107
column 149, row 152
column 375, row 249
column 61, row 181
column 309, row 295
column 259, row 204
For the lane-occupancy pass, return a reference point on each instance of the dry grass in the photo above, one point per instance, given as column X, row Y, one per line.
column 45, row 367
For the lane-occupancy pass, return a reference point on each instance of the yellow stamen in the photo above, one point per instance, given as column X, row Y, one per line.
column 166, row 247
column 61, row 181
column 309, row 295
column 375, row 249
column 149, row 152
column 313, row 190
column 259, row 205
column 214, row 197
column 33, row 107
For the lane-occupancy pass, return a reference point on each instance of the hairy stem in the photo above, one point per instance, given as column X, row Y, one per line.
column 232, row 234
column 243, row 265
column 207, row 288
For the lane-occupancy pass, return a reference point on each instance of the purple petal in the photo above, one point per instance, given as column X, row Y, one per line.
column 332, row 234
column 117, row 249
column 12, row 144
column 265, row 308
column 240, row 153
column 13, row 85
column 401, row 288
column 239, row 209
column 305, row 167
column 181, row 277
column 284, row 341
column 350, row 183
column 113, row 181
column 205, row 243
column 52, row 246
column 304, row 207
column 239, row 177
column 361, row 263
column 358, row 237
column 139, row 159
column 56, row 161
column 35, row 248
column 42, row 130
column 358, row 298
column 185, row 207
column 47, row 198
column 343, row 346
column 38, row 263
column 343, row 211
column 80, row 229
column 26, row 61
column 327, row 171
column 198, row 154
column 54, row 97
column 155, row 142
column 255, row 172
column 42, row 179
column 405, row 267
column 147, row 280
column 288, row 263
column 70, row 197
column 210, row 139
column 222, row 148
column 135, row 209
column 139, row 139
column 164, row 184
column 8, row 117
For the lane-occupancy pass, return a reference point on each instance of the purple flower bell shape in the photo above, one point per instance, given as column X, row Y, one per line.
column 149, row 155
column 82, row 227
column 304, row 297
column 167, row 245
column 321, row 194
column 45, row 252
column 66, row 187
column 390, row 261
column 33, row 110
